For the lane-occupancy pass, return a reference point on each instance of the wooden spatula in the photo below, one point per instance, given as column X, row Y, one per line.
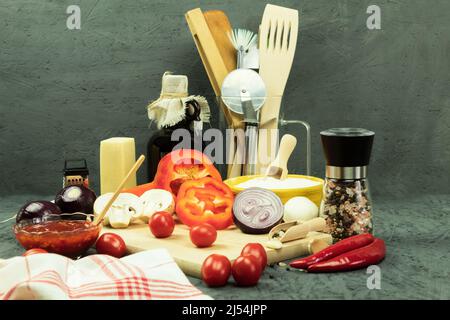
column 277, row 41
column 209, row 53
column 278, row 167
column 220, row 26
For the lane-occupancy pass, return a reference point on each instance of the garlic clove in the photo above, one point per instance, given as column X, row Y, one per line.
column 274, row 244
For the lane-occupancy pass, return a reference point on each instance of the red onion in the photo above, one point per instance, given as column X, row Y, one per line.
column 257, row 210
column 76, row 199
column 37, row 209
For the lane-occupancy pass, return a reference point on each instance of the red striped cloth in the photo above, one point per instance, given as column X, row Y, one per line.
column 146, row 275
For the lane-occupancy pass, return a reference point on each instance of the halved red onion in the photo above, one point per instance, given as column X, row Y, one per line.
column 75, row 198
column 37, row 209
column 257, row 210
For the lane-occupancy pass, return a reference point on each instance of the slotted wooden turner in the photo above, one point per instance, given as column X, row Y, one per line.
column 277, row 41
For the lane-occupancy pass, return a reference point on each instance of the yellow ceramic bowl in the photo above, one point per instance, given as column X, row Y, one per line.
column 313, row 193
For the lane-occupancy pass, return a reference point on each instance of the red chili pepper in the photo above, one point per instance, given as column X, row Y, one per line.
column 335, row 250
column 352, row 260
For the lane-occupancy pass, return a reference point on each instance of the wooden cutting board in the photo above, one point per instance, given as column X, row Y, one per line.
column 229, row 243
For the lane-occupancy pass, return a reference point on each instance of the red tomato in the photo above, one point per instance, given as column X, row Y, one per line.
column 256, row 250
column 111, row 244
column 34, row 251
column 216, row 270
column 203, row 235
column 246, row 271
column 161, row 224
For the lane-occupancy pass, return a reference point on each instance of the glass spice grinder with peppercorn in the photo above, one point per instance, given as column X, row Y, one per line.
column 346, row 203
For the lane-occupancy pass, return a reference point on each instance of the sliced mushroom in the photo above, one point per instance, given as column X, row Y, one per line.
column 125, row 210
column 156, row 200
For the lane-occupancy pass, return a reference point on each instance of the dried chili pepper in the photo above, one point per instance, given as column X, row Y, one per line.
column 359, row 258
column 335, row 250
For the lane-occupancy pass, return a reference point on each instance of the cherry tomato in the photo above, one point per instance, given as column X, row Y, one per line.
column 111, row 244
column 246, row 271
column 256, row 250
column 33, row 251
column 203, row 235
column 216, row 270
column 161, row 224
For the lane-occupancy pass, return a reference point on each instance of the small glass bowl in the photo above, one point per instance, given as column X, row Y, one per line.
column 63, row 234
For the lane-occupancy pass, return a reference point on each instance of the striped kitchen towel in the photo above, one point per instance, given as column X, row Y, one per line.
column 151, row 274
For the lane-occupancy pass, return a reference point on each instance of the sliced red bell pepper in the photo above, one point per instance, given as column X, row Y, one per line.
column 205, row 200
column 335, row 250
column 370, row 254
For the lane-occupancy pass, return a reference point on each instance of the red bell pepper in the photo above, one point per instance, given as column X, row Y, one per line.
column 205, row 200
column 177, row 167
column 140, row 189
column 359, row 258
column 335, row 250
column 182, row 165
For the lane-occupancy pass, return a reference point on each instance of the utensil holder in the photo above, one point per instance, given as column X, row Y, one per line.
column 231, row 170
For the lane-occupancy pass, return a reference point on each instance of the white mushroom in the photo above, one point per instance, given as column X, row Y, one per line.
column 119, row 217
column 156, row 200
column 125, row 210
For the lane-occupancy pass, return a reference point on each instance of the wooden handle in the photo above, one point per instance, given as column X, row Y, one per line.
column 220, row 26
column 133, row 170
column 212, row 56
column 235, row 158
column 287, row 145
column 234, row 169
column 268, row 122
column 209, row 54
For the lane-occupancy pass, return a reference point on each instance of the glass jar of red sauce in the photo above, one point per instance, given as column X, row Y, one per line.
column 57, row 234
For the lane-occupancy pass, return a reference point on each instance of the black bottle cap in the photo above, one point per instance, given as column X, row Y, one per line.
column 347, row 147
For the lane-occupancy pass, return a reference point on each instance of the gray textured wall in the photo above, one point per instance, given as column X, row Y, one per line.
column 63, row 91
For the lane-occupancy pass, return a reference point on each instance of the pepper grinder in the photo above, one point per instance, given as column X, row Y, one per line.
column 346, row 203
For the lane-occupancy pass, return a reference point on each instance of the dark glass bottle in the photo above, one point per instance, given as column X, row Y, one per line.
column 160, row 143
